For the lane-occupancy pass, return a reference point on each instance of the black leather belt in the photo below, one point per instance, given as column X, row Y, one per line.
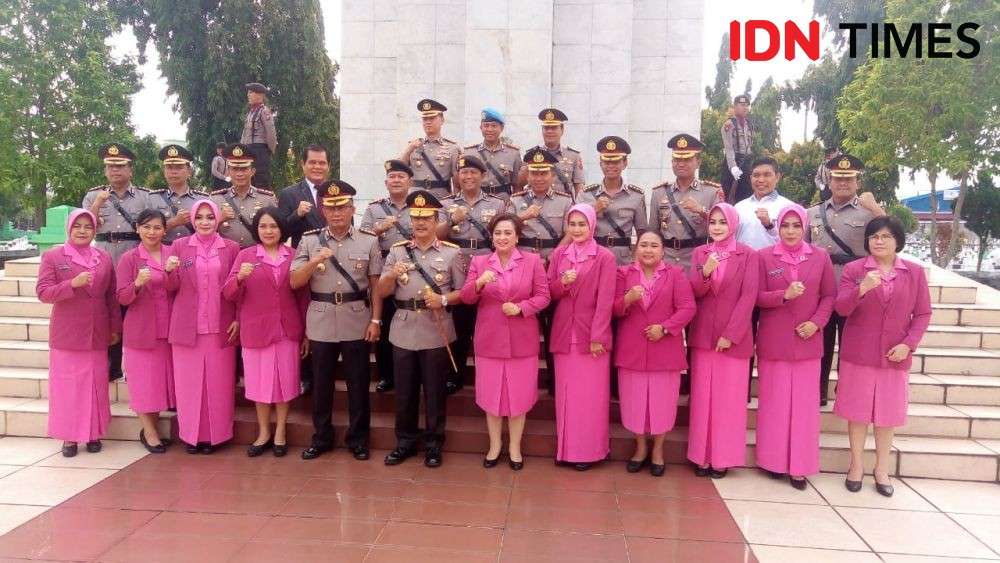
column 677, row 244
column 538, row 243
column 501, row 189
column 116, row 237
column 427, row 184
column 473, row 243
column 613, row 241
column 841, row 259
column 338, row 298
column 415, row 304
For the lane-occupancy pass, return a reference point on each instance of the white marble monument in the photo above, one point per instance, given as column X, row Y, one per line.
column 616, row 67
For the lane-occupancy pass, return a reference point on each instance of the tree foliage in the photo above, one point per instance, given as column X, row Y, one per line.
column 798, row 167
column 982, row 213
column 209, row 50
column 63, row 97
column 718, row 95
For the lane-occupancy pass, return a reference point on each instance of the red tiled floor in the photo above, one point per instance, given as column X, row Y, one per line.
column 179, row 549
column 221, row 526
column 425, row 555
column 70, row 546
column 452, row 513
column 689, row 519
column 282, row 528
column 576, row 500
column 352, row 488
column 454, row 492
column 364, row 508
column 432, row 536
column 554, row 519
column 551, row 546
column 301, row 552
column 648, row 550
column 233, row 503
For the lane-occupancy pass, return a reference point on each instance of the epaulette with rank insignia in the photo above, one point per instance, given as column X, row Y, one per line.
column 219, row 192
column 446, row 243
column 400, row 243
column 312, row 232
column 519, row 194
column 101, row 187
column 710, row 183
column 376, row 202
column 446, row 140
column 472, row 146
column 564, row 194
column 142, row 188
column 265, row 192
column 367, row 232
column 513, row 146
column 158, row 191
column 592, row 187
column 571, row 149
column 200, row 192
column 634, row 188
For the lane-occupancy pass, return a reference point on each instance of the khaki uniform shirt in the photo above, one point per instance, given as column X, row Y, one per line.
column 663, row 217
column 418, row 330
column 848, row 222
column 736, row 138
column 481, row 211
column 359, row 254
column 109, row 220
column 258, row 127
column 505, row 159
column 377, row 211
column 554, row 205
column 570, row 166
column 627, row 208
column 177, row 203
column 246, row 207
column 443, row 154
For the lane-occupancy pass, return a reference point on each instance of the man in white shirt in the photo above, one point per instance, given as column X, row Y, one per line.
column 759, row 211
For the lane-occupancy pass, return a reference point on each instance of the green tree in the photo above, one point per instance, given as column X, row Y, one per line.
column 933, row 114
column 209, row 50
column 798, row 167
column 63, row 96
column 905, row 216
column 766, row 115
column 718, row 95
column 982, row 214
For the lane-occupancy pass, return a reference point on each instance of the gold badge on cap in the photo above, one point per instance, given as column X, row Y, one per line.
column 172, row 151
column 539, row 157
column 426, row 106
column 482, row 115
column 549, row 115
column 419, row 201
column 388, row 165
column 334, row 189
column 439, row 277
column 113, row 150
column 682, row 143
column 461, row 162
column 237, row 151
column 844, row 163
column 610, row 145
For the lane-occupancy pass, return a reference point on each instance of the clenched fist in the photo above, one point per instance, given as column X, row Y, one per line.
column 246, row 269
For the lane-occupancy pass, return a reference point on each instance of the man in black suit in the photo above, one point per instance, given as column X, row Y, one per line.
column 298, row 206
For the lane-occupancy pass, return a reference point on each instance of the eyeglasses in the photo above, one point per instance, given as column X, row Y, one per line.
column 884, row 236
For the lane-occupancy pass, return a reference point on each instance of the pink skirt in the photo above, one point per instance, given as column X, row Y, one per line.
column 788, row 416
column 648, row 400
column 150, row 378
column 506, row 386
column 271, row 374
column 717, row 433
column 79, row 406
column 205, row 384
column 872, row 395
column 583, row 402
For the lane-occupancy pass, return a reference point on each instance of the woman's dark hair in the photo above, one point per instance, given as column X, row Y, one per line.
column 518, row 224
column 657, row 234
column 274, row 213
column 886, row 222
column 148, row 214
column 766, row 161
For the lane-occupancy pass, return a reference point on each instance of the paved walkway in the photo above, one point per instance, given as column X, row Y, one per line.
column 124, row 505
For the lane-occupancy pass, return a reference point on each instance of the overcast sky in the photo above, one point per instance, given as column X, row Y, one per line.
column 150, row 118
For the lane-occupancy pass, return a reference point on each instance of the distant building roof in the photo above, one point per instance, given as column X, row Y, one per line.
column 920, row 205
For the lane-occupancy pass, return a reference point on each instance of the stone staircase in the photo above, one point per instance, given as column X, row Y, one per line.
column 953, row 430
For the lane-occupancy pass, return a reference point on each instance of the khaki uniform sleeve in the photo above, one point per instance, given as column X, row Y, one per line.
column 270, row 133
column 728, row 143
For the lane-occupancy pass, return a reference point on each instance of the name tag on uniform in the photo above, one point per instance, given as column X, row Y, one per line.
column 187, row 263
column 775, row 273
column 62, row 267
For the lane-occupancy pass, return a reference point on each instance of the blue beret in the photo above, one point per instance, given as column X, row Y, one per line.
column 490, row 114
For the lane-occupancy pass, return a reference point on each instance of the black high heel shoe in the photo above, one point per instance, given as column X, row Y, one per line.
column 191, row 448
column 157, row 449
column 280, row 450
column 634, row 466
column 799, row 484
column 717, row 474
column 853, row 486
column 884, row 490
column 206, row 448
column 70, row 450
column 94, row 446
column 516, row 465
column 657, row 469
column 491, row 463
column 253, row 450
column 700, row 471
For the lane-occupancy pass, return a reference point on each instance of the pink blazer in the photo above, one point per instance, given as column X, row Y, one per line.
column 497, row 335
column 727, row 314
column 269, row 310
column 82, row 318
column 585, row 307
column 776, row 337
column 139, row 325
column 672, row 306
column 184, row 315
column 875, row 324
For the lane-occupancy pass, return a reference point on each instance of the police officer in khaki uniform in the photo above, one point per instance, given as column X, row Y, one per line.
column 340, row 264
column 116, row 206
column 240, row 201
column 423, row 275
column 738, row 138
column 621, row 207
column 387, row 218
column 569, row 161
column 679, row 209
column 502, row 160
column 178, row 196
column 432, row 157
column 542, row 208
column 837, row 225
column 465, row 222
column 259, row 134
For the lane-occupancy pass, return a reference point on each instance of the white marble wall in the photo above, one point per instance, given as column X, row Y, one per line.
column 616, row 67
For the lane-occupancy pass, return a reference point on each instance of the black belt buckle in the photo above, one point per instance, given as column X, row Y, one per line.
column 474, row 243
column 538, row 244
column 675, row 243
column 338, row 298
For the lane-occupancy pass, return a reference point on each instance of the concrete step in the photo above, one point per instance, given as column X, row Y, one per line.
column 26, row 328
column 20, row 306
column 23, row 267
column 24, row 354
column 944, row 336
column 960, row 361
column 29, row 417
column 17, row 286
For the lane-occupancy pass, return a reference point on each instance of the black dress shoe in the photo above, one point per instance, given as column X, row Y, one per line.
column 254, row 450
column 191, row 449
column 280, row 450
column 853, row 486
column 70, row 450
column 306, row 387
column 657, row 469
column 516, row 465
column 799, row 484
column 94, row 446
column 701, row 471
column 383, row 385
column 716, row 474
column 206, row 448
column 360, row 453
column 582, row 466
column 398, row 455
column 452, row 387
column 634, row 466
column 157, row 449
column 432, row 458
column 775, row 474
column 312, row 452
column 491, row 463
column 884, row 490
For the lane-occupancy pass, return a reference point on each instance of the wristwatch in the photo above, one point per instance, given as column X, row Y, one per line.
column 376, row 321
column 444, row 300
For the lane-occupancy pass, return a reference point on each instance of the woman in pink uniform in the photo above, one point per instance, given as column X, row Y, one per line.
column 724, row 276
column 582, row 282
column 142, row 274
column 653, row 303
column 796, row 295
column 79, row 281
column 887, row 305
column 203, row 333
column 510, row 287
column 270, row 328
